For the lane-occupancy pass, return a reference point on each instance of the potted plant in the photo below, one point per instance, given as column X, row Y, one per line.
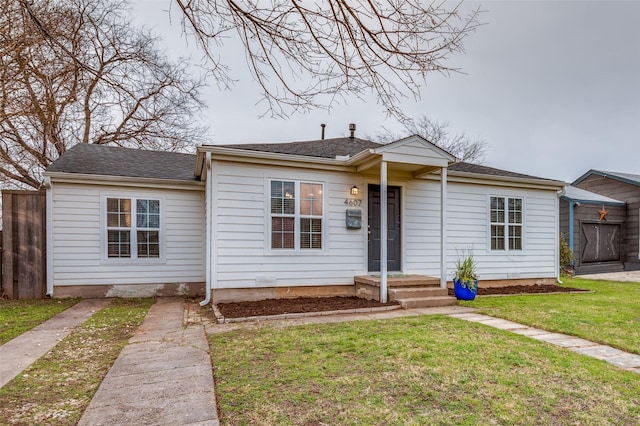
column 465, row 281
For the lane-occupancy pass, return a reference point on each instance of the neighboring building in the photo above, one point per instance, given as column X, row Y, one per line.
column 600, row 215
column 282, row 220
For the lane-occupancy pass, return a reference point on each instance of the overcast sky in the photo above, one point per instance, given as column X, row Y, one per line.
column 552, row 87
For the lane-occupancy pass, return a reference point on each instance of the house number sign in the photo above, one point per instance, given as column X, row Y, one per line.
column 352, row 203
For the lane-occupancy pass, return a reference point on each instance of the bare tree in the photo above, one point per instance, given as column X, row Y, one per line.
column 78, row 71
column 437, row 132
column 308, row 54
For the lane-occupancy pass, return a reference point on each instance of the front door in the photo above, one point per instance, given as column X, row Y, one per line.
column 393, row 228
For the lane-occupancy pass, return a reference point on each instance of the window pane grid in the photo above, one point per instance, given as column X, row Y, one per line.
column 296, row 210
column 148, row 244
column 119, row 243
column 133, row 234
column 282, row 233
column 311, row 233
column 506, row 215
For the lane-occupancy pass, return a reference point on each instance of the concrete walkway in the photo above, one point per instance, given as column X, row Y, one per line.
column 627, row 276
column 24, row 350
column 621, row 359
column 163, row 376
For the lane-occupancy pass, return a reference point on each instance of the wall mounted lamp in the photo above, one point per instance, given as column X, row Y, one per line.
column 355, row 190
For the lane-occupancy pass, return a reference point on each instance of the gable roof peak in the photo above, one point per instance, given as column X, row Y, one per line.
column 630, row 178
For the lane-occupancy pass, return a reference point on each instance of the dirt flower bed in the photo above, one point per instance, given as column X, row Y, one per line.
column 289, row 306
column 524, row 289
column 320, row 304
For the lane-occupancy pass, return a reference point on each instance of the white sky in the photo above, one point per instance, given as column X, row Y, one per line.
column 552, row 87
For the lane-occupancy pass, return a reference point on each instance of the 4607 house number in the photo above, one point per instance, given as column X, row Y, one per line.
column 353, row 203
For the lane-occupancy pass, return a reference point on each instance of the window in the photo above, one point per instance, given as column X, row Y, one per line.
column 506, row 223
column 296, row 215
column 133, row 232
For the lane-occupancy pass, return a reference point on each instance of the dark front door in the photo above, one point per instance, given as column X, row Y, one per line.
column 601, row 242
column 393, row 228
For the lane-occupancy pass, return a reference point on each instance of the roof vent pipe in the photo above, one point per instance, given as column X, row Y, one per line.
column 322, row 134
column 352, row 129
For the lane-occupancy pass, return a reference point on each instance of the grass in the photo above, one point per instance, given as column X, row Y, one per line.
column 57, row 388
column 18, row 316
column 609, row 315
column 417, row 370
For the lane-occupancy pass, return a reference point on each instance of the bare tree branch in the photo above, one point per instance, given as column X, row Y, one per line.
column 302, row 53
column 78, row 71
column 437, row 132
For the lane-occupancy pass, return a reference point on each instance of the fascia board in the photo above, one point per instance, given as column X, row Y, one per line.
column 90, row 179
column 593, row 202
column 609, row 175
column 274, row 158
column 505, row 181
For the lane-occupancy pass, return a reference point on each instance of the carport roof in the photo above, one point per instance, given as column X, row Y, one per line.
column 575, row 194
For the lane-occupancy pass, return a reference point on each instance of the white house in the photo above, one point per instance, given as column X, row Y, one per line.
column 281, row 220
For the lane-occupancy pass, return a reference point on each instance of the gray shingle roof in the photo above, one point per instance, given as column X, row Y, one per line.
column 484, row 170
column 116, row 161
column 573, row 193
column 624, row 177
column 323, row 148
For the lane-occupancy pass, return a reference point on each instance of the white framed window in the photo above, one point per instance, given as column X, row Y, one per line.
column 132, row 228
column 296, row 215
column 506, row 223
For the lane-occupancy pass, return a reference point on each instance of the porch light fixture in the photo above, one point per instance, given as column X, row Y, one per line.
column 355, row 190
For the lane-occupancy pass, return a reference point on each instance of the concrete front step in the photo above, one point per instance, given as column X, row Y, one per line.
column 426, row 302
column 413, row 292
column 400, row 281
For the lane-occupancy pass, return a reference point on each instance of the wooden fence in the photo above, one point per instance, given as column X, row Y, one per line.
column 24, row 270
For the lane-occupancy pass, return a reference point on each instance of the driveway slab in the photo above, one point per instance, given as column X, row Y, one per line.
column 24, row 350
column 163, row 376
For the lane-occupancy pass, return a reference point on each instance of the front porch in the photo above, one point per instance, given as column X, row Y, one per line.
column 410, row 291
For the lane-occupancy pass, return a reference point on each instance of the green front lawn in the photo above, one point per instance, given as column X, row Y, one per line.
column 610, row 315
column 417, row 370
column 18, row 316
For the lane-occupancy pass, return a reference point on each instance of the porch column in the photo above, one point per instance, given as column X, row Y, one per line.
column 443, row 227
column 383, row 232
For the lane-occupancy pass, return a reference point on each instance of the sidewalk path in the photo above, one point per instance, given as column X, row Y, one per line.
column 24, row 350
column 621, row 359
column 163, row 376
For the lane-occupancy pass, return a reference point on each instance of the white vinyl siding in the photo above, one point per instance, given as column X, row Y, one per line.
column 468, row 222
column 79, row 232
column 242, row 236
column 244, row 258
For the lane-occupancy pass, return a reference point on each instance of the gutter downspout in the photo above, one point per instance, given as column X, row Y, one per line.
column 443, row 228
column 49, row 234
column 571, row 219
column 208, row 204
column 383, row 232
column 557, row 251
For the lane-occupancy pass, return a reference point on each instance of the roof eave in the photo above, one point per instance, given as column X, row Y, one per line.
column 85, row 178
column 456, row 176
column 599, row 203
column 605, row 174
column 263, row 157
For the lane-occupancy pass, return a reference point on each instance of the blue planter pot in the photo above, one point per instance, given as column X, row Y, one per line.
column 464, row 293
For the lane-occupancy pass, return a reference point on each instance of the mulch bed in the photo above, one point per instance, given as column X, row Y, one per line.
column 524, row 289
column 320, row 304
column 289, row 306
